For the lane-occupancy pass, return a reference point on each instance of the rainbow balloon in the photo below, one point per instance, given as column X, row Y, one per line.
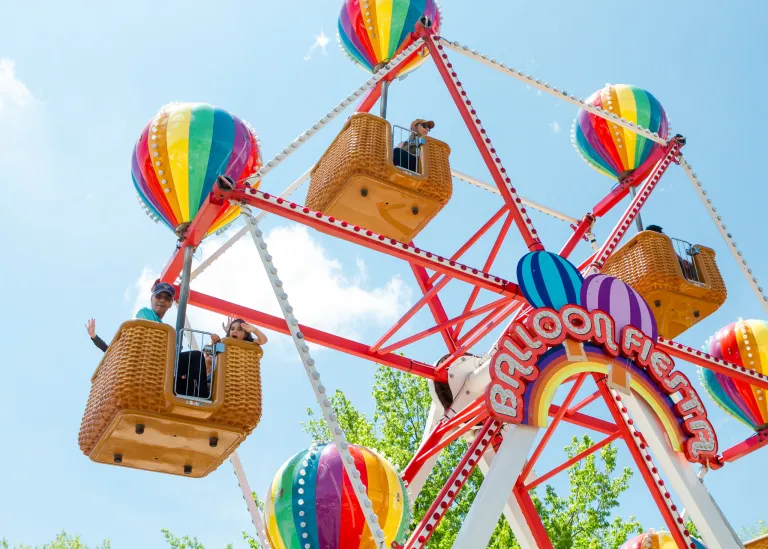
column 375, row 31
column 624, row 304
column 311, row 503
column 548, row 280
column 656, row 540
column 611, row 149
column 179, row 155
column 744, row 343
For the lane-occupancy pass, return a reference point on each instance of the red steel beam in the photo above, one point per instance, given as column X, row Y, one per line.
column 487, row 265
column 641, row 461
column 435, row 306
column 313, row 335
column 700, row 358
column 453, row 486
column 359, row 235
column 482, row 141
column 428, row 296
column 475, row 237
column 575, row 459
column 671, row 152
column 201, row 224
column 578, row 233
column 586, row 402
column 532, row 517
column 752, row 444
column 492, row 306
column 583, row 420
column 552, row 426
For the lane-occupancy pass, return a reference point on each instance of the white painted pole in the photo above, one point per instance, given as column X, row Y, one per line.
column 689, row 488
column 248, row 496
column 497, row 486
column 512, row 511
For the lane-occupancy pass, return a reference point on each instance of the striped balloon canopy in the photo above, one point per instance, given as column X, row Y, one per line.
column 612, row 149
column 375, row 31
column 744, row 343
column 548, row 280
column 311, row 502
column 623, row 303
column 180, row 154
column 657, row 540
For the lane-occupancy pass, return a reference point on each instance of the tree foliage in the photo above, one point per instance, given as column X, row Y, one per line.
column 62, row 541
column 584, row 519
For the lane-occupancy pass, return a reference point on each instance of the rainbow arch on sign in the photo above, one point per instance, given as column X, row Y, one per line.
column 556, row 366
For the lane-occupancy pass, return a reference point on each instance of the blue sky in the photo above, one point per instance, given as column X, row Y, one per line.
column 78, row 81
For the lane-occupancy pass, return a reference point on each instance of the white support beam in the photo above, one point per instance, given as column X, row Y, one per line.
column 494, row 493
column 512, row 511
column 713, row 527
column 417, row 483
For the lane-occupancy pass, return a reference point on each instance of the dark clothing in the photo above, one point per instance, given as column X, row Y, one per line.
column 191, row 377
column 100, row 343
column 404, row 159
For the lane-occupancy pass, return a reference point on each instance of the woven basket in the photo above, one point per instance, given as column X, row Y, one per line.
column 135, row 380
column 649, row 264
column 363, row 149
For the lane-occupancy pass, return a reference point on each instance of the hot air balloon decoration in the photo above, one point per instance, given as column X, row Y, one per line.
column 624, row 304
column 657, row 540
column 372, row 32
column 180, row 154
column 611, row 149
column 548, row 280
column 311, row 503
column 744, row 343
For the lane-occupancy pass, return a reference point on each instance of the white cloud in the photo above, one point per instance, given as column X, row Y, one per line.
column 321, row 41
column 554, row 126
column 322, row 294
column 14, row 94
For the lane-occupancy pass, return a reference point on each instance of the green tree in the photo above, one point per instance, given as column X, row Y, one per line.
column 754, row 531
column 62, row 541
column 581, row 520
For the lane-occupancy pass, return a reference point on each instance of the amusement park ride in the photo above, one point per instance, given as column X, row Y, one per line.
column 607, row 321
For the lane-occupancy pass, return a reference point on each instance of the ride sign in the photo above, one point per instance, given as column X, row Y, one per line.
column 514, row 366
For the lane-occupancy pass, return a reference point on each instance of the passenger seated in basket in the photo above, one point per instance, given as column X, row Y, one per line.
column 406, row 154
column 190, row 380
column 237, row 328
column 685, row 265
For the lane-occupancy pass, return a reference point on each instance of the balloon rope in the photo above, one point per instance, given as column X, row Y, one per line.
column 727, row 236
column 333, row 113
column 490, row 188
column 547, row 88
column 337, row 433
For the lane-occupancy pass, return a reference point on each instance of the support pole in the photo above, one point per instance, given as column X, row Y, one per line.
column 384, row 96
column 181, row 313
column 512, row 512
column 493, row 496
column 713, row 527
column 248, row 496
column 638, row 219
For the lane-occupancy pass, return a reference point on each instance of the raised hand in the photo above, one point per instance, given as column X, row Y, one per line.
column 91, row 327
column 226, row 326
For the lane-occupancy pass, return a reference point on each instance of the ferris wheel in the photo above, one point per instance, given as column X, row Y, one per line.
column 608, row 320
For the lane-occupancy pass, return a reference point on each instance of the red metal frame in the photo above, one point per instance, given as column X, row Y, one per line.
column 443, row 270
column 453, row 486
column 313, row 335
